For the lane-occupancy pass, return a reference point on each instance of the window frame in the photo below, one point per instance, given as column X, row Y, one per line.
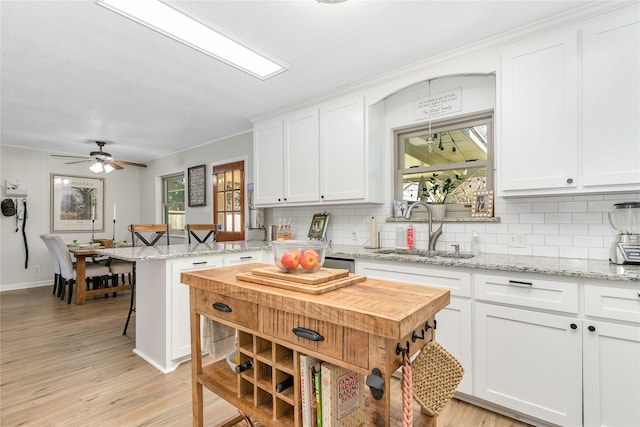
column 469, row 120
column 174, row 232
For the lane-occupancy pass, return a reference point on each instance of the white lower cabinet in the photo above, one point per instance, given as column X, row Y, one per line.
column 611, row 374
column 530, row 362
column 453, row 323
column 180, row 329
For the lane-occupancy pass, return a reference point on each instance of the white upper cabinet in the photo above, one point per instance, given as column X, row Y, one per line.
column 568, row 108
column 342, row 149
column 538, row 113
column 611, row 98
column 269, row 169
column 301, row 157
column 317, row 155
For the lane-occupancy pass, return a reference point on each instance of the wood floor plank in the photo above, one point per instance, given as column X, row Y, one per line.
column 69, row 365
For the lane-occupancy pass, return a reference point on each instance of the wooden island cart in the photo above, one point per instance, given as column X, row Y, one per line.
column 363, row 326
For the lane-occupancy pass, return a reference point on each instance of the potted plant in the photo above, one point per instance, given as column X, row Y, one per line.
column 435, row 191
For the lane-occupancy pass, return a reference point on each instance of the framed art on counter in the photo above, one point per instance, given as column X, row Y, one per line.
column 77, row 203
column 482, row 204
column 318, row 226
column 197, row 180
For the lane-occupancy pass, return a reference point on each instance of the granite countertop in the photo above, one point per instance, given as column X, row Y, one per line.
column 581, row 268
column 140, row 253
column 588, row 269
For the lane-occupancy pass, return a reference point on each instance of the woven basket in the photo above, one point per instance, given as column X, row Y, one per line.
column 436, row 374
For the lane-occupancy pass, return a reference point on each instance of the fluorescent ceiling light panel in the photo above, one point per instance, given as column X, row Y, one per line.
column 172, row 23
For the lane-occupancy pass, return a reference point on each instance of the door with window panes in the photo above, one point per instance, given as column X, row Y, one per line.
column 228, row 201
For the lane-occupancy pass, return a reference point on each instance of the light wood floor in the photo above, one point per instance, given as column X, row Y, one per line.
column 70, row 365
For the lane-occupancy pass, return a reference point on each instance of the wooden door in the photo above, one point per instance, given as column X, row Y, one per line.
column 228, row 201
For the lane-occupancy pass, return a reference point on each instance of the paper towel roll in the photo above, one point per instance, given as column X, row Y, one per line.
column 373, row 233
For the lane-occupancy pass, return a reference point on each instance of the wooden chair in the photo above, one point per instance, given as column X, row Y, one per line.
column 68, row 270
column 192, row 229
column 118, row 268
column 136, row 230
column 159, row 230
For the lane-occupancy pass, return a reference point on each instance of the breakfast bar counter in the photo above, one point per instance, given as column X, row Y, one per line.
column 358, row 327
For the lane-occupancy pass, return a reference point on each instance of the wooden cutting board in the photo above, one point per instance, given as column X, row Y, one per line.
column 318, row 288
column 321, row 275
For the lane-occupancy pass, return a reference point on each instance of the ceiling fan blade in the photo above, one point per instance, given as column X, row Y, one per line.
column 79, row 161
column 124, row 162
column 114, row 165
column 70, row 157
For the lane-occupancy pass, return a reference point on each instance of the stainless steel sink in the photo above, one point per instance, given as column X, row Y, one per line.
column 422, row 253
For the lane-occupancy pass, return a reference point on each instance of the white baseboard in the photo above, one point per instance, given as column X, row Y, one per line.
column 17, row 286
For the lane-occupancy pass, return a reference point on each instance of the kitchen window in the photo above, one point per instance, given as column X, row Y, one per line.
column 173, row 210
column 461, row 150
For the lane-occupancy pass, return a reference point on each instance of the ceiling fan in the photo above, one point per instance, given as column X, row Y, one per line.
column 102, row 161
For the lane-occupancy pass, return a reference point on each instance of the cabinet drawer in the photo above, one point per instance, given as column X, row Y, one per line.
column 342, row 343
column 528, row 291
column 612, row 303
column 223, row 307
column 243, row 258
column 457, row 281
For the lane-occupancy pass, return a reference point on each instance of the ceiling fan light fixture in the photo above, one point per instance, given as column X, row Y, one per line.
column 166, row 20
column 108, row 168
column 96, row 167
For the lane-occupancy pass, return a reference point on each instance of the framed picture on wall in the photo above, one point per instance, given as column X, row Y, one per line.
column 196, row 182
column 77, row 203
column 482, row 204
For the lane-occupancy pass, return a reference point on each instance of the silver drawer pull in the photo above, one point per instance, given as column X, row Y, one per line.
column 199, row 263
column 518, row 282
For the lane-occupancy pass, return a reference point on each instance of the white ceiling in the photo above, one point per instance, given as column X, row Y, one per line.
column 73, row 72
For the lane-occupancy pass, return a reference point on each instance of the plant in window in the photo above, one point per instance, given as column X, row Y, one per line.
column 437, row 190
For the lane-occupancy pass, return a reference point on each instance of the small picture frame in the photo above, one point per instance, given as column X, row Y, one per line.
column 318, row 226
column 197, row 179
column 400, row 208
column 482, row 204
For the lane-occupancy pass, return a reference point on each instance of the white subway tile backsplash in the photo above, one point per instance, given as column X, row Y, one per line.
column 572, row 206
column 561, row 226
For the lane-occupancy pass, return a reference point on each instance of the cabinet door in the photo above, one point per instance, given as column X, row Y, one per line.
column 180, row 329
column 301, row 157
column 269, row 164
column 537, row 145
column 611, row 98
column 453, row 331
column 530, row 362
column 343, row 152
column 611, row 374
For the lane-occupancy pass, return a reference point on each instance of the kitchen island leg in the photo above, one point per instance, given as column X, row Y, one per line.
column 196, row 362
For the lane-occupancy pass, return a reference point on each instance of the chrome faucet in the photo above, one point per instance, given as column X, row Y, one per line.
column 433, row 235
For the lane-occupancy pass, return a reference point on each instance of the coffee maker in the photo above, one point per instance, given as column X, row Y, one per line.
column 625, row 218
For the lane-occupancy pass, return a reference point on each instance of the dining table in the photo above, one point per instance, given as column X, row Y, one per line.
column 81, row 254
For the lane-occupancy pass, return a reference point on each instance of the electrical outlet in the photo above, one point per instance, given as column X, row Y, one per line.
column 517, row 240
column 36, row 268
column 354, row 236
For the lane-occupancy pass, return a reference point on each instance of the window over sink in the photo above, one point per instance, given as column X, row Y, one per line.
column 448, row 167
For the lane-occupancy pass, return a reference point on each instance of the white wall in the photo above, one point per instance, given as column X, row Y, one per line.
column 34, row 168
column 230, row 149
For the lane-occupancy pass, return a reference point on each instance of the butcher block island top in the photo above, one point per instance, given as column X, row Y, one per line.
column 357, row 326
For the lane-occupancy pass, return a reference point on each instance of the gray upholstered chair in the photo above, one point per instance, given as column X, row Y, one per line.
column 46, row 238
column 68, row 270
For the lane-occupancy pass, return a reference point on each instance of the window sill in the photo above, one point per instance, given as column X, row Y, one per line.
column 424, row 218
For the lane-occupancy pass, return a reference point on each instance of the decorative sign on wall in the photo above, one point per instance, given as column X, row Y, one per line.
column 441, row 103
column 197, row 180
